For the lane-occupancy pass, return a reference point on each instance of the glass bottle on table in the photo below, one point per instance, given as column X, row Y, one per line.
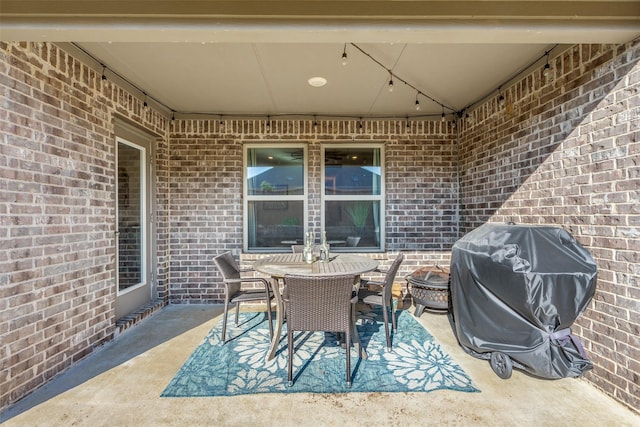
column 324, row 248
column 307, row 251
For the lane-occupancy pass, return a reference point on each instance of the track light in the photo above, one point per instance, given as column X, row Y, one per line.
column 344, row 55
column 390, row 81
column 417, row 103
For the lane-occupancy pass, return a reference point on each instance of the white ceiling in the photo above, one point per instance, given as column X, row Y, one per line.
column 271, row 78
column 254, row 58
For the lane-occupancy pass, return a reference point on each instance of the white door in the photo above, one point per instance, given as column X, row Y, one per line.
column 134, row 225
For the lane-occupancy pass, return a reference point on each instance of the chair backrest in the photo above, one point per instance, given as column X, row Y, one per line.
column 319, row 303
column 229, row 269
column 298, row 249
column 387, row 287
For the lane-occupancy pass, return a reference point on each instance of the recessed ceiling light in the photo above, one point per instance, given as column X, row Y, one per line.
column 317, row 81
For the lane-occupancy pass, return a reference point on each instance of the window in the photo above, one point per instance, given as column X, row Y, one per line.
column 275, row 196
column 353, row 196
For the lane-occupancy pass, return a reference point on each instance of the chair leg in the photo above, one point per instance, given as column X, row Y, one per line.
column 385, row 315
column 348, row 334
column 290, row 361
column 224, row 321
column 269, row 312
column 393, row 316
column 237, row 311
column 362, row 354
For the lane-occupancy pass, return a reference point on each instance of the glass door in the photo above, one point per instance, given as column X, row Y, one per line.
column 133, row 227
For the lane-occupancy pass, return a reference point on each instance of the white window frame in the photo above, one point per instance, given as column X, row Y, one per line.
column 250, row 198
column 144, row 232
column 380, row 198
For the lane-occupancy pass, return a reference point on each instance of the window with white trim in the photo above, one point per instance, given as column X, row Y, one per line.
column 275, row 196
column 353, row 196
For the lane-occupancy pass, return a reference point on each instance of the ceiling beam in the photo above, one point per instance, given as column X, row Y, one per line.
column 382, row 21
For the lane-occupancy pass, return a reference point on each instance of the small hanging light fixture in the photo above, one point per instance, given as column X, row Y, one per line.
column 268, row 124
column 144, row 104
column 501, row 101
column 104, row 67
column 417, row 102
column 344, row 55
column 173, row 116
column 546, row 71
column 390, row 81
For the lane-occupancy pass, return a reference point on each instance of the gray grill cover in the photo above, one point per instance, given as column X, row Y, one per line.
column 517, row 290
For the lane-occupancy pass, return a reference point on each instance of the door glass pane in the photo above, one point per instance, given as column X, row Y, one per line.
column 352, row 171
column 353, row 223
column 130, row 212
column 275, row 171
column 275, row 224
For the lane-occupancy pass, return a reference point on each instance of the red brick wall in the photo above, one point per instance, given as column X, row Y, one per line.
column 57, row 211
column 206, row 189
column 567, row 153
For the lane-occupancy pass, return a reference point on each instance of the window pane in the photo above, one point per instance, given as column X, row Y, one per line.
column 130, row 208
column 353, row 223
column 274, row 224
column 352, row 171
column 275, row 171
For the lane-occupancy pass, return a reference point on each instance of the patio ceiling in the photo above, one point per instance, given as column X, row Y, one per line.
column 253, row 58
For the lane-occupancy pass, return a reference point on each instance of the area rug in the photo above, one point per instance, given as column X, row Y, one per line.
column 416, row 364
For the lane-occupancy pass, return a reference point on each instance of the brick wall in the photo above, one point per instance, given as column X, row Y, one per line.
column 563, row 152
column 57, row 211
column 206, row 188
column 566, row 152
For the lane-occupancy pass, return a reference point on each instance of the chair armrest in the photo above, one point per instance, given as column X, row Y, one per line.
column 247, row 280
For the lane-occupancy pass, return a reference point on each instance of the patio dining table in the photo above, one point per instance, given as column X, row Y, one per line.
column 277, row 266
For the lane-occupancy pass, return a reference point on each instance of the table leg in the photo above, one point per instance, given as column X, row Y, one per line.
column 275, row 287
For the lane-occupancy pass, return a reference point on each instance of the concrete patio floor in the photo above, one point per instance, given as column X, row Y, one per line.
column 120, row 385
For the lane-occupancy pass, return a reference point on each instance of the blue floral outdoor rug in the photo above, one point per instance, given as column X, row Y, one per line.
column 416, row 364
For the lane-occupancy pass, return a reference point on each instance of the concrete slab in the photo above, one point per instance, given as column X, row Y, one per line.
column 120, row 385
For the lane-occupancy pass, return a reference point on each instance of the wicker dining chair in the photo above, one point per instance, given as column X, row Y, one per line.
column 384, row 297
column 298, row 249
column 320, row 303
column 235, row 294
